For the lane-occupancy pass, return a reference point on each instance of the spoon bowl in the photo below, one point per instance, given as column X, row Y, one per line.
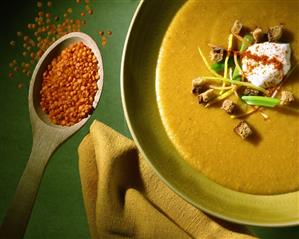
column 36, row 81
column 47, row 136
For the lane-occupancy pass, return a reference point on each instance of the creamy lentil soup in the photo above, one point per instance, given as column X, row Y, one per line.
column 267, row 163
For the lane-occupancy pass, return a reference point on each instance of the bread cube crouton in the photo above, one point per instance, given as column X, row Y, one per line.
column 206, row 96
column 236, row 29
column 217, row 54
column 198, row 86
column 274, row 33
column 243, row 130
column 286, row 98
column 228, row 106
column 258, row 34
column 251, row 92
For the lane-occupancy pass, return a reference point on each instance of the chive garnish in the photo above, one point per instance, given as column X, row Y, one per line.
column 229, row 48
column 242, row 83
column 218, row 67
column 207, row 64
column 221, row 97
column 237, row 71
column 261, row 101
column 248, row 40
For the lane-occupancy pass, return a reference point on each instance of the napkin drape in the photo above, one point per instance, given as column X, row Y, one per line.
column 124, row 198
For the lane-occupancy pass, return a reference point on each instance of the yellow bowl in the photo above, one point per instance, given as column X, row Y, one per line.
column 139, row 100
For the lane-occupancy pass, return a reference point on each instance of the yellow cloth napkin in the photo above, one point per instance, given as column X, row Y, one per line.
column 124, row 198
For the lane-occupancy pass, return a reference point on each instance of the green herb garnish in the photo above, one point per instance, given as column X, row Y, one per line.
column 248, row 40
column 261, row 101
column 219, row 67
column 241, row 83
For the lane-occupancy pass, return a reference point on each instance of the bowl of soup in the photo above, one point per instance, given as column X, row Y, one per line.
column 194, row 150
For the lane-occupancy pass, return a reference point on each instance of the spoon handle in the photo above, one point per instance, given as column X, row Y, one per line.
column 18, row 214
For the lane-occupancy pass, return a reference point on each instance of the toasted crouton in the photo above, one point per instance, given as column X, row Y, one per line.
column 236, row 29
column 286, row 98
column 217, row 54
column 274, row 33
column 228, row 106
column 251, row 92
column 243, row 130
column 206, row 96
column 198, row 86
column 258, row 34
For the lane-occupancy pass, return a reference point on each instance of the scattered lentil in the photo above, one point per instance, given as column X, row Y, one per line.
column 44, row 29
column 39, row 4
column 12, row 43
column 104, row 40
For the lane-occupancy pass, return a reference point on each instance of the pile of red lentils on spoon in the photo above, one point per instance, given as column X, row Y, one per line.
column 69, row 85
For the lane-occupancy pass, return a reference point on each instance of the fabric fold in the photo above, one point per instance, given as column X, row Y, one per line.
column 124, row 198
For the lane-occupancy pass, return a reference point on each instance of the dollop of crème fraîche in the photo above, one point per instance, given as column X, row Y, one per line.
column 266, row 64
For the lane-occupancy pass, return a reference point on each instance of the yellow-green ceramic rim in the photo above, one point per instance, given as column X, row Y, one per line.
column 139, row 60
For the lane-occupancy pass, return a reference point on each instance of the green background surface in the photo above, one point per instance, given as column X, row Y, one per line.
column 59, row 211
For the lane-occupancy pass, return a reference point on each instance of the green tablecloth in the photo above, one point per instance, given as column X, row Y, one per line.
column 59, row 211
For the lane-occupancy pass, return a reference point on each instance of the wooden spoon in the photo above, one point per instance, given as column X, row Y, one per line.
column 46, row 138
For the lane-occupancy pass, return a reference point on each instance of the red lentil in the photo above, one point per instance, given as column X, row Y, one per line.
column 69, row 85
column 12, row 43
column 104, row 40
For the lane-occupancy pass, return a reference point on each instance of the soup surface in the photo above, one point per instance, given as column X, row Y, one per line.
column 268, row 163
